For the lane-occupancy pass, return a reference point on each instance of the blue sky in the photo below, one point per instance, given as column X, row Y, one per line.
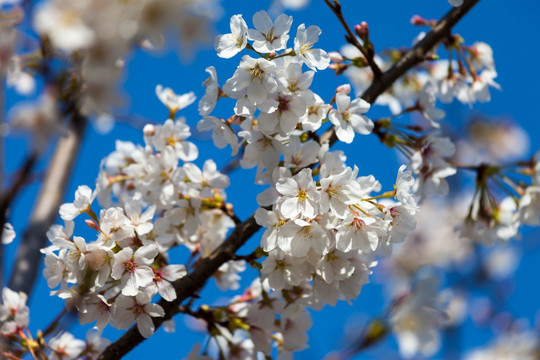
column 511, row 30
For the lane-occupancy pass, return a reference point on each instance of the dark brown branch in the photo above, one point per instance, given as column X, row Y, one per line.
column 192, row 283
column 187, row 286
column 8, row 196
column 27, row 263
column 22, row 177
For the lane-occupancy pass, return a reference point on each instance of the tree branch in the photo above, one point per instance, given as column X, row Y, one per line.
column 27, row 263
column 8, row 196
column 412, row 58
column 187, row 286
column 192, row 283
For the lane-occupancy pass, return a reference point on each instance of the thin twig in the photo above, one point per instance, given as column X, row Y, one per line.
column 353, row 40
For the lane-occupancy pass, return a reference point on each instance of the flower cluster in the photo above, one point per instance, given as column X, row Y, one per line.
column 275, row 109
column 102, row 34
column 259, row 319
column 328, row 231
column 498, row 218
column 14, row 320
column 151, row 204
column 467, row 79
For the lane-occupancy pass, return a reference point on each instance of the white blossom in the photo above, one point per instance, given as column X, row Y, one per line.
column 299, row 195
column 255, row 76
column 231, row 44
column 349, row 118
column 132, row 268
column 173, row 101
column 211, row 95
column 529, row 206
column 14, row 313
column 268, row 36
column 63, row 22
column 137, row 308
column 8, row 234
column 426, row 101
column 303, row 46
column 222, row 134
column 65, row 346
column 84, row 196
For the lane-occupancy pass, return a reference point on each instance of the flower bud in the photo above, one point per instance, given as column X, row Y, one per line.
column 149, row 130
column 335, row 57
column 362, row 30
column 418, row 20
column 92, row 224
column 344, row 89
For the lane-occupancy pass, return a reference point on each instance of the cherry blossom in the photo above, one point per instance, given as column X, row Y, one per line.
column 132, row 268
column 65, row 346
column 64, row 24
column 349, row 118
column 299, row 195
column 231, row 44
column 173, row 101
column 211, row 95
column 14, row 313
column 130, row 309
column 84, row 196
column 255, row 76
column 269, row 37
column 315, row 59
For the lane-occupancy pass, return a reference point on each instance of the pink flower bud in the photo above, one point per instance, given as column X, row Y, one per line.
column 92, row 224
column 362, row 30
column 149, row 130
column 418, row 20
column 344, row 89
column 335, row 57
column 358, row 29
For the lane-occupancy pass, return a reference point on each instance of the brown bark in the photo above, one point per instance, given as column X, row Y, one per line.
column 51, row 194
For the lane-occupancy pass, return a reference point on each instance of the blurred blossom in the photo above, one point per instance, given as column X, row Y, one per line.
column 502, row 261
column 294, row 4
column 108, row 31
column 456, row 308
column 23, row 82
column 104, row 123
column 41, row 119
column 8, row 234
column 514, row 345
column 434, row 242
column 62, row 21
column 481, row 310
column 417, row 317
column 491, row 140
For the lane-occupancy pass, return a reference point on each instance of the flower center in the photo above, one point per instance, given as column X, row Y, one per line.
column 130, row 266
column 256, row 72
